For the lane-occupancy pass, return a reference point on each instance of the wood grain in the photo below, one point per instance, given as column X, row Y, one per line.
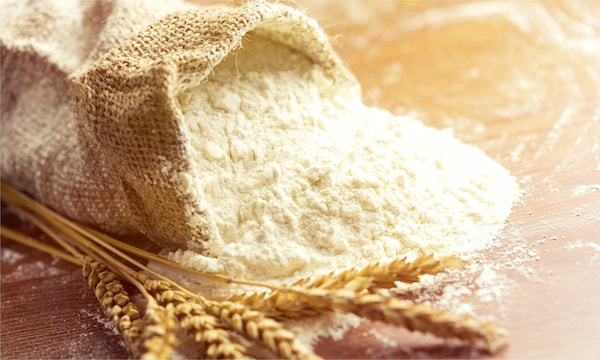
column 521, row 81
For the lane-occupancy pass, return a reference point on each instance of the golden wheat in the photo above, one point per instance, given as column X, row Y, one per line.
column 171, row 308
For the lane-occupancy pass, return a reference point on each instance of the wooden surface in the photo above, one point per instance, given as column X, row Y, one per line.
column 520, row 81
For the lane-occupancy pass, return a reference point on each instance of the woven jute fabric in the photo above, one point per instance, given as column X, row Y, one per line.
column 91, row 125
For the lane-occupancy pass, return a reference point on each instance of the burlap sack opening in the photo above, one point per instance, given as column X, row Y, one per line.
column 120, row 160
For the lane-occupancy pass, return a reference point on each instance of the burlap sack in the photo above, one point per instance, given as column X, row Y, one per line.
column 90, row 120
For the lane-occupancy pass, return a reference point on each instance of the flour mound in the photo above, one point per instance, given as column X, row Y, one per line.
column 302, row 180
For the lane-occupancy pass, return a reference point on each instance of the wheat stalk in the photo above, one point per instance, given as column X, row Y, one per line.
column 20, row 238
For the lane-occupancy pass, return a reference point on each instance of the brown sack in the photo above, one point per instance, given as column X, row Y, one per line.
column 91, row 125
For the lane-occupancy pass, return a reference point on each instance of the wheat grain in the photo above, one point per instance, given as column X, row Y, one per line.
column 278, row 305
column 282, row 304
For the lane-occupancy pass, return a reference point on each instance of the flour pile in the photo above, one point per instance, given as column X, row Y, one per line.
column 301, row 181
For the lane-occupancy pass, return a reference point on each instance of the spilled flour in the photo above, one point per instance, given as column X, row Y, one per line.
column 302, row 179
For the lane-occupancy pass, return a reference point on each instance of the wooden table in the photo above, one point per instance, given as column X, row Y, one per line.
column 521, row 82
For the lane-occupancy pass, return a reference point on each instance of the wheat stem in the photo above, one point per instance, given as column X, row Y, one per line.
column 150, row 256
column 38, row 245
column 23, row 201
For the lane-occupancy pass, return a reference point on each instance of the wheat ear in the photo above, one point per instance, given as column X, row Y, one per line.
column 384, row 275
column 244, row 321
column 415, row 317
column 373, row 306
column 285, row 304
column 256, row 326
column 124, row 314
column 418, row 317
column 368, row 278
column 215, row 342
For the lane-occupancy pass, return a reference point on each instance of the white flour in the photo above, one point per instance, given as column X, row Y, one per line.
column 301, row 179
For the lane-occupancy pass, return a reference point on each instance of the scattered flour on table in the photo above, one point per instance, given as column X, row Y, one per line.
column 585, row 189
column 479, row 284
column 301, row 178
column 579, row 244
column 32, row 270
column 101, row 319
column 11, row 257
column 591, row 254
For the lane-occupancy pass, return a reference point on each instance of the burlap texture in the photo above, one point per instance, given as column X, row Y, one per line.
column 91, row 125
